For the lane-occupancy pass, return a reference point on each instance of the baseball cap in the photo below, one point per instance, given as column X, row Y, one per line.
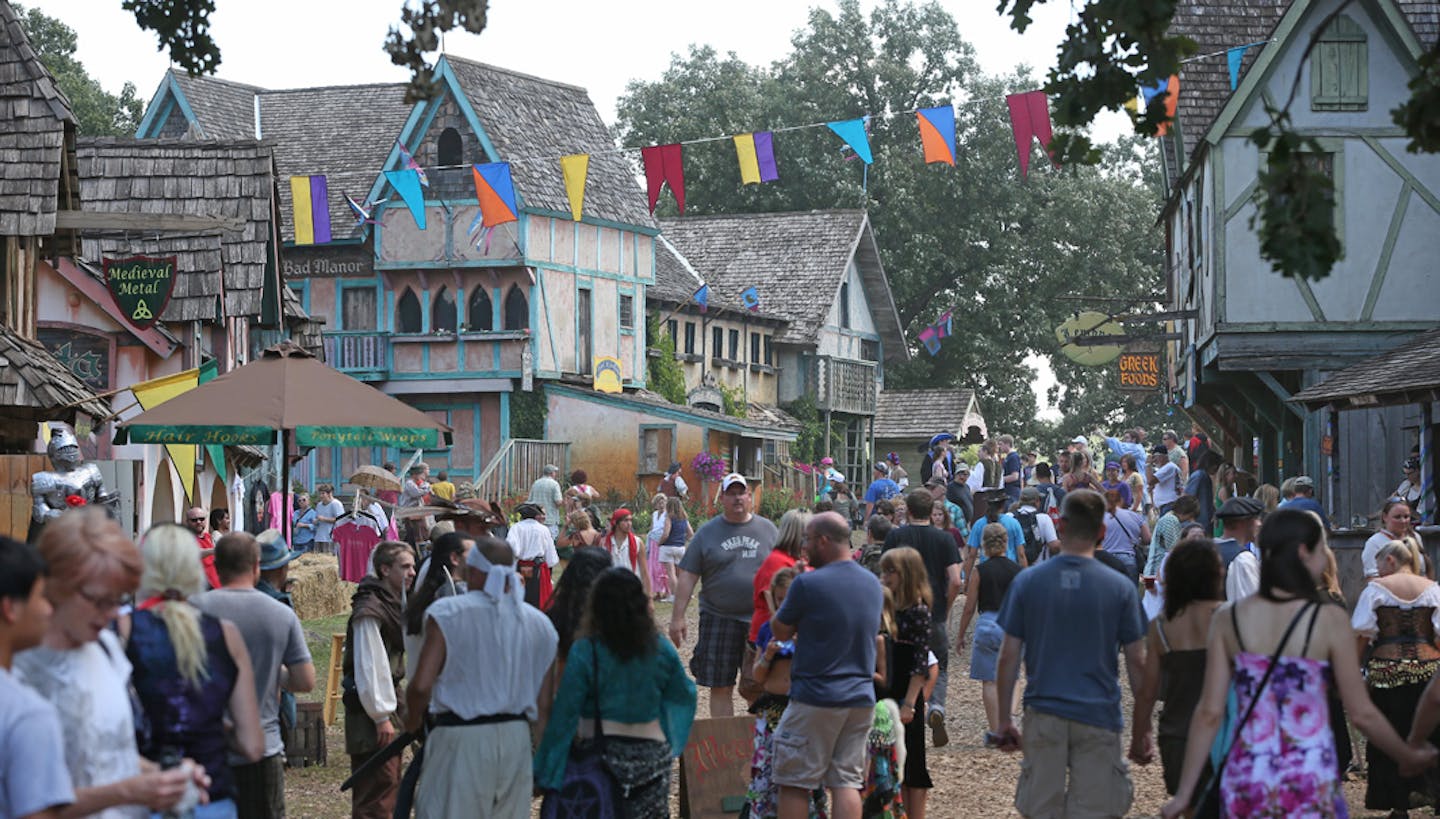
column 1112, row 464
column 1305, row 480
column 1080, row 439
column 962, row 467
column 1028, row 494
column 273, row 551
column 732, row 479
column 826, row 461
column 1240, row 507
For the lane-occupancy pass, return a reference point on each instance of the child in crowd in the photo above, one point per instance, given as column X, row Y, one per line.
column 658, row 581
column 876, row 528
column 902, row 571
column 772, row 671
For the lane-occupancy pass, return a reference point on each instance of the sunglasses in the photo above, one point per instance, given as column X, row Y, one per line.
column 196, row 520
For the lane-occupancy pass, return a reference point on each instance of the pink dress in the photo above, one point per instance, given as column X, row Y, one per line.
column 1283, row 762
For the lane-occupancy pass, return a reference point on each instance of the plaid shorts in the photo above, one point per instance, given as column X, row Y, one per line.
column 718, row 650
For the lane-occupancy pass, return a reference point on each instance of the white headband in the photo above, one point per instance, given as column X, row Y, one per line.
column 496, row 576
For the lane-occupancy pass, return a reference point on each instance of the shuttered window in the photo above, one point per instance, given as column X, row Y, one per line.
column 1339, row 69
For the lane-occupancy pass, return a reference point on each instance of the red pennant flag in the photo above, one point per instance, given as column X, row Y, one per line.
column 1029, row 117
column 662, row 165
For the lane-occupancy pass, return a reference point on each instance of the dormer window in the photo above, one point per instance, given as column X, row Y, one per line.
column 1339, row 68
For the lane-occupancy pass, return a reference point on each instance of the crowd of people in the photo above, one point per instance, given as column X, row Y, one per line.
column 527, row 658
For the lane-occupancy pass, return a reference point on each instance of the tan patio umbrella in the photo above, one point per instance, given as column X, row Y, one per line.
column 285, row 394
column 370, row 476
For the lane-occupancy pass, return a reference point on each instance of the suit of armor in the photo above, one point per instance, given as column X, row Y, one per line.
column 51, row 490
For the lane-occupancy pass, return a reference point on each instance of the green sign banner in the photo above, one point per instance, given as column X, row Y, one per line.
column 400, row 437
column 141, row 287
column 188, row 434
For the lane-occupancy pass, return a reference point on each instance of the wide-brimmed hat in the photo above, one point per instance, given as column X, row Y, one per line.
column 273, row 551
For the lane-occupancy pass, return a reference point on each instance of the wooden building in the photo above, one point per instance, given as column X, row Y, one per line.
column 1254, row 338
column 906, row 420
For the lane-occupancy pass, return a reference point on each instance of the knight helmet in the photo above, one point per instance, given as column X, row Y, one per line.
column 64, row 448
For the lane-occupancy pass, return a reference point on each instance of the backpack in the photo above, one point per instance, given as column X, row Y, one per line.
column 1029, row 523
column 1050, row 505
column 870, row 557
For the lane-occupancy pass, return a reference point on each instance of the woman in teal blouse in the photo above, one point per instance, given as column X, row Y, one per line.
column 647, row 702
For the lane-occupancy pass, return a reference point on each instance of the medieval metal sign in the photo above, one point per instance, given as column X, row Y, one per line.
column 141, row 287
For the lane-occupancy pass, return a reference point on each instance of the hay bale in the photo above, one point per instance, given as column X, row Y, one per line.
column 316, row 587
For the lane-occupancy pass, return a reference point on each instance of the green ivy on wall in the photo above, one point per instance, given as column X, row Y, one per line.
column 527, row 414
column 666, row 376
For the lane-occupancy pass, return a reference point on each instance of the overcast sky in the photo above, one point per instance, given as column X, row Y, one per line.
column 600, row 46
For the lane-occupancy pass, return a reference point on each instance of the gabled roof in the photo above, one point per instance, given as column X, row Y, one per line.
column 1408, row 374
column 223, row 178
column 923, row 413
column 34, row 119
column 36, row 386
column 676, row 281
column 532, row 122
column 1217, row 25
column 796, row 260
column 343, row 132
column 223, row 109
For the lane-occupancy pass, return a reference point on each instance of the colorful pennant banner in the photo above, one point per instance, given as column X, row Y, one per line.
column 575, row 168
column 663, row 165
column 408, row 161
column 1172, row 99
column 496, row 192
column 931, row 339
column 310, row 203
column 937, row 133
column 702, row 297
column 407, row 184
column 756, row 153
column 1029, row 119
column 853, row 132
column 362, row 212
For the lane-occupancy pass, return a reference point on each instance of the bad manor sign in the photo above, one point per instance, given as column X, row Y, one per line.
column 327, row 261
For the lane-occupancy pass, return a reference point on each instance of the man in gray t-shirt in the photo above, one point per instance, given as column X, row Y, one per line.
column 278, row 654
column 723, row 557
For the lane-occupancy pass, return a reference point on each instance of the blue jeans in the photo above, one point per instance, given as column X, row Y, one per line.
column 224, row 809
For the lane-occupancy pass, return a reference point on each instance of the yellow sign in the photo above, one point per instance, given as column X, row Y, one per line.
column 1140, row 371
column 1087, row 326
column 607, row 375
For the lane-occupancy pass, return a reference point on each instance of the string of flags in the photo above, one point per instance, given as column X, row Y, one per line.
column 934, row 333
column 1029, row 114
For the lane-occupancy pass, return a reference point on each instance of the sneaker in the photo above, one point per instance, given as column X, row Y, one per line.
column 669, row 598
column 939, row 737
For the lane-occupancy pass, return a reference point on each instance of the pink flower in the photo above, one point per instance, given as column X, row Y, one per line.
column 1260, row 730
column 1304, row 718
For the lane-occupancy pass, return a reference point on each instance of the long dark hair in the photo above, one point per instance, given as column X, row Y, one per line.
column 1192, row 573
column 572, row 590
column 441, row 550
column 618, row 615
column 1283, row 574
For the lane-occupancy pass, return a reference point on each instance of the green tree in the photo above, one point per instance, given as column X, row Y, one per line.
column 99, row 112
column 665, row 374
column 972, row 237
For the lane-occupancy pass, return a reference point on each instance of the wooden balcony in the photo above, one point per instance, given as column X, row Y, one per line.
column 372, row 355
column 845, row 385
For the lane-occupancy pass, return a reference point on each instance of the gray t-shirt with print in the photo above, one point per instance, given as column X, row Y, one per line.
column 726, row 556
column 273, row 638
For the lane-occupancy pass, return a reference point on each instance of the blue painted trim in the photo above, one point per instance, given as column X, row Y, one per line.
column 163, row 96
column 344, row 284
column 190, row 114
column 446, row 376
column 575, row 270
column 504, row 425
column 591, row 220
column 392, row 159
column 674, row 413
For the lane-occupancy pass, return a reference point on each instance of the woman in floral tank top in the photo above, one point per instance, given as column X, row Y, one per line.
column 1281, row 762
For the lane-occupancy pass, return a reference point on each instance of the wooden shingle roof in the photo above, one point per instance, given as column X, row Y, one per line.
column 1217, row 25
column 532, row 122
column 34, row 119
column 211, row 178
column 1407, row 374
column 344, row 133
column 35, row 385
column 223, row 109
column 796, row 261
column 923, row 413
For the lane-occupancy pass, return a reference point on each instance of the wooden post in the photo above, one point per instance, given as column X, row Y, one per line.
column 333, row 691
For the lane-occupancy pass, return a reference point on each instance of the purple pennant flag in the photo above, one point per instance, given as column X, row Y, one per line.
column 765, row 156
column 320, row 209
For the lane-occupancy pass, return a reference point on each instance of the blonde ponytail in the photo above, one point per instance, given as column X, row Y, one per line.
column 172, row 570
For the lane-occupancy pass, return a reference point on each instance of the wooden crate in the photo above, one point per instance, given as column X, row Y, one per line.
column 305, row 743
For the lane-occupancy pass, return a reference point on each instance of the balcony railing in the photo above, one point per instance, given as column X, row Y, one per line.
column 516, row 466
column 359, row 352
column 845, row 385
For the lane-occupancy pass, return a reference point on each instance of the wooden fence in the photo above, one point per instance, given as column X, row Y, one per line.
column 518, row 464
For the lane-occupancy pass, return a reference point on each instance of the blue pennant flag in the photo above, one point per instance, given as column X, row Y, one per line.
column 407, row 184
column 702, row 297
column 750, row 297
column 1233, row 58
column 1151, row 92
column 853, row 132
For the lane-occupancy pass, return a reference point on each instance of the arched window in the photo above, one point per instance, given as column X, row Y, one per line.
column 407, row 313
column 442, row 312
column 845, row 305
column 517, row 309
column 450, row 150
column 479, row 314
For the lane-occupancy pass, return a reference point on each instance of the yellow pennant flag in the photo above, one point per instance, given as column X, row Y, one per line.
column 575, row 167
column 157, row 391
column 749, row 160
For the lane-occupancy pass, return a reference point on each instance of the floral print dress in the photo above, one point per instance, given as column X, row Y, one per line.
column 1282, row 764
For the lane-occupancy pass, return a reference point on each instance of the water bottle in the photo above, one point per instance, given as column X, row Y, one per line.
column 170, row 759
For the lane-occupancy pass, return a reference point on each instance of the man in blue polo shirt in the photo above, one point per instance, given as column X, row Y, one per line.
column 1067, row 615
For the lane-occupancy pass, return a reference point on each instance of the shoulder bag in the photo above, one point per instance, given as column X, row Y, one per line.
column 590, row 790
